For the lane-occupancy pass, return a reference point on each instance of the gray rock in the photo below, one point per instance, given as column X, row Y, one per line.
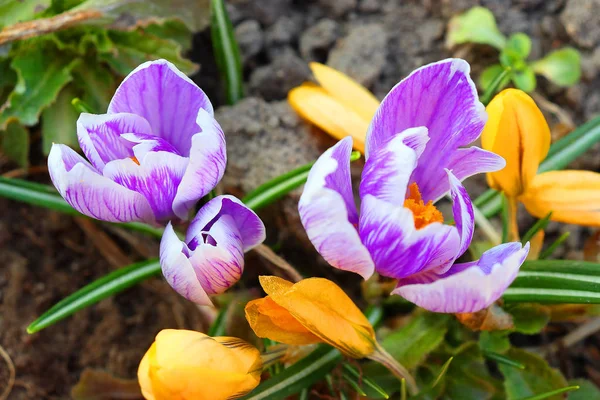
column 265, row 11
column 338, row 8
column 580, row 18
column 250, row 38
column 361, row 54
column 430, row 31
column 283, row 31
column 369, row 6
column 274, row 81
column 318, row 39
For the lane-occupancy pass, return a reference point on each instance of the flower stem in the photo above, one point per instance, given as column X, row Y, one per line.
column 495, row 86
column 384, row 358
column 513, row 232
column 275, row 354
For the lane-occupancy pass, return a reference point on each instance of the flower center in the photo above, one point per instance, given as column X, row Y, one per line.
column 135, row 160
column 423, row 214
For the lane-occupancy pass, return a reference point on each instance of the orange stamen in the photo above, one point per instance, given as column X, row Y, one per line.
column 135, row 160
column 423, row 214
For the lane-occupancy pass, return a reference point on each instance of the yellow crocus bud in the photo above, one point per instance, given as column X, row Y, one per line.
column 189, row 365
column 311, row 311
column 516, row 130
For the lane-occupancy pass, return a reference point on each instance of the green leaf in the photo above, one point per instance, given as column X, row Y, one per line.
column 587, row 390
column 555, row 245
column 520, row 43
column 494, row 341
column 529, row 319
column 41, row 76
column 540, row 225
column 97, row 84
column 12, row 12
column 496, row 85
column 15, row 143
column 59, row 122
column 561, row 67
column 135, row 47
column 468, row 377
column 537, row 377
column 227, row 51
column 553, row 393
column 174, row 30
column 413, row 342
column 102, row 288
column 489, row 75
column 525, row 80
column 500, row 359
column 477, row 25
column 372, row 388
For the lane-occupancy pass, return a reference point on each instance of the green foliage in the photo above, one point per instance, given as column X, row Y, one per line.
column 12, row 11
column 15, row 143
column 529, row 318
column 478, row 25
column 59, row 121
column 587, row 390
column 537, row 377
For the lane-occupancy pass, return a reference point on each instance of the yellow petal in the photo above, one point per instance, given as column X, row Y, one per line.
column 269, row 320
column 186, row 365
column 516, row 130
column 325, row 310
column 346, row 90
column 316, row 105
column 536, row 245
column 572, row 196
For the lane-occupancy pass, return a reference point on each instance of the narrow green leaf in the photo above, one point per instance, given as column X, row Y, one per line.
column 495, row 86
column 304, row 394
column 550, row 296
column 552, row 393
column 561, row 67
column 489, row 74
column 505, row 218
column 102, row 288
column 366, row 381
column 548, row 252
column 59, row 122
column 499, row 358
column 443, row 371
column 477, row 25
column 227, row 51
column 351, row 381
column 81, row 106
column 15, row 143
column 540, row 225
column 220, row 323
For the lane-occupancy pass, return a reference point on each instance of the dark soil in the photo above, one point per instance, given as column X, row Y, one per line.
column 46, row 256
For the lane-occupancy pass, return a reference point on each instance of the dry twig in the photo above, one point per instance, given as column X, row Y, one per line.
column 12, row 374
column 269, row 255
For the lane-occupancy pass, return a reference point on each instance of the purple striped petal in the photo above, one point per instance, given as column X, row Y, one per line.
column 178, row 270
column 441, row 97
column 328, row 212
column 143, row 144
column 156, row 178
column 462, row 208
column 166, row 98
column 100, row 136
column 397, row 248
column 467, row 287
column 250, row 226
column 208, row 159
column 467, row 162
column 92, row 194
column 388, row 169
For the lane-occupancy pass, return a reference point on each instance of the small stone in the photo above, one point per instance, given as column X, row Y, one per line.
column 430, row 31
column 361, row 54
column 267, row 12
column 283, row 31
column 275, row 80
column 580, row 18
column 250, row 38
column 369, row 6
column 338, row 8
column 318, row 39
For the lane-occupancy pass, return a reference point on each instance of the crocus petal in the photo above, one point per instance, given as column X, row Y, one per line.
column 178, row 270
column 397, row 248
column 100, row 136
column 468, row 287
column 166, row 98
column 156, row 178
column 328, row 212
column 572, row 196
column 441, row 97
column 208, row 159
column 462, row 209
column 345, row 90
column 93, row 194
column 317, row 105
column 517, row 131
column 465, row 163
column 388, row 170
column 250, row 226
column 144, row 144
column 219, row 262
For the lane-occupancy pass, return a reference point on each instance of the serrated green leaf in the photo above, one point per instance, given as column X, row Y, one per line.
column 477, row 25
column 135, row 47
column 13, row 11
column 520, row 43
column 537, row 377
column 587, row 390
column 561, row 67
column 15, row 143
column 41, row 76
column 529, row 319
column 413, row 342
column 489, row 75
column 59, row 121
column 525, row 80
column 97, row 84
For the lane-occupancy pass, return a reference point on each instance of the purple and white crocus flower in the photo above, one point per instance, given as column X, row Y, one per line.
column 155, row 153
column 152, row 156
column 414, row 156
